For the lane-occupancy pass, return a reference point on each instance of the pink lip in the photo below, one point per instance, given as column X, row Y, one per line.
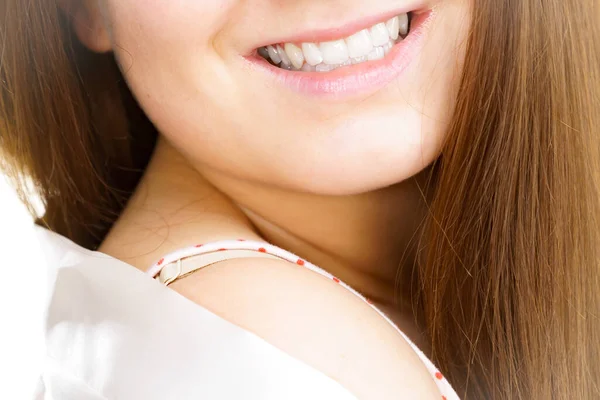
column 360, row 79
column 324, row 35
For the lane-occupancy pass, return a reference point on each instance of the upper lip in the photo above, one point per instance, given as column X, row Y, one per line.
column 342, row 30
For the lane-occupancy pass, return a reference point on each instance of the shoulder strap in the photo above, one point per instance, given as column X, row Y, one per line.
column 186, row 266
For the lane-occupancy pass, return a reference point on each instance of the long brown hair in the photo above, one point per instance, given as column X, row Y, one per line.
column 509, row 281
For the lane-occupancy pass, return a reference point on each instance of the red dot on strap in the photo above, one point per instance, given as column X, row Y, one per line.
column 222, row 249
column 241, row 240
column 199, row 245
column 300, row 262
column 439, row 375
column 162, row 260
column 262, row 250
column 336, row 280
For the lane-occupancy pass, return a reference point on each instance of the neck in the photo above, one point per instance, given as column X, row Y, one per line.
column 364, row 239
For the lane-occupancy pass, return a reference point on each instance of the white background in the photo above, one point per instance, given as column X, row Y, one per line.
column 22, row 292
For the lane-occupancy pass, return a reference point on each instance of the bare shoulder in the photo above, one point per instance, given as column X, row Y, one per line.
column 314, row 320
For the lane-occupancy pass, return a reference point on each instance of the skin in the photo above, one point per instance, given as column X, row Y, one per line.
column 338, row 182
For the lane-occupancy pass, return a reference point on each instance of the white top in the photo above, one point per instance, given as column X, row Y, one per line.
column 106, row 338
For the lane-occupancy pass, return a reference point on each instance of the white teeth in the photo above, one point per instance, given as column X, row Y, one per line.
column 335, row 52
column 393, row 26
column 284, row 58
column 358, row 60
column 403, row 22
column 324, row 67
column 359, row 44
column 379, row 34
column 273, row 54
column 376, row 54
column 366, row 45
column 387, row 47
column 312, row 54
column 295, row 55
column 308, row 68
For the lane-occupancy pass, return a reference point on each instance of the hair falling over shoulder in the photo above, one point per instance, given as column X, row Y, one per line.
column 509, row 275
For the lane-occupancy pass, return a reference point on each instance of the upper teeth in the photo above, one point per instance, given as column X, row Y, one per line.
column 368, row 44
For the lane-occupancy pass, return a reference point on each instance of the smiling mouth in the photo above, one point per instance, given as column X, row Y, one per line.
column 369, row 44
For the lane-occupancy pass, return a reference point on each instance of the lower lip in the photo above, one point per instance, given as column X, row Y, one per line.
column 360, row 79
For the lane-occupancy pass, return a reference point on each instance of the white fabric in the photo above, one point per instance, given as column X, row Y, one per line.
column 113, row 332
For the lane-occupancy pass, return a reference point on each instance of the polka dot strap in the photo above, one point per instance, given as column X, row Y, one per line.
column 447, row 393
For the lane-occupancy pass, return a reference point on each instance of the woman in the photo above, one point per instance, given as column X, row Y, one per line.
column 440, row 157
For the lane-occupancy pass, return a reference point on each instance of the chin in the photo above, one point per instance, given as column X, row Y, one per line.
column 345, row 176
column 353, row 161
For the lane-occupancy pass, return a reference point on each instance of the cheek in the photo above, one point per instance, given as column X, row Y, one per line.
column 156, row 35
column 166, row 51
column 162, row 18
column 440, row 69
